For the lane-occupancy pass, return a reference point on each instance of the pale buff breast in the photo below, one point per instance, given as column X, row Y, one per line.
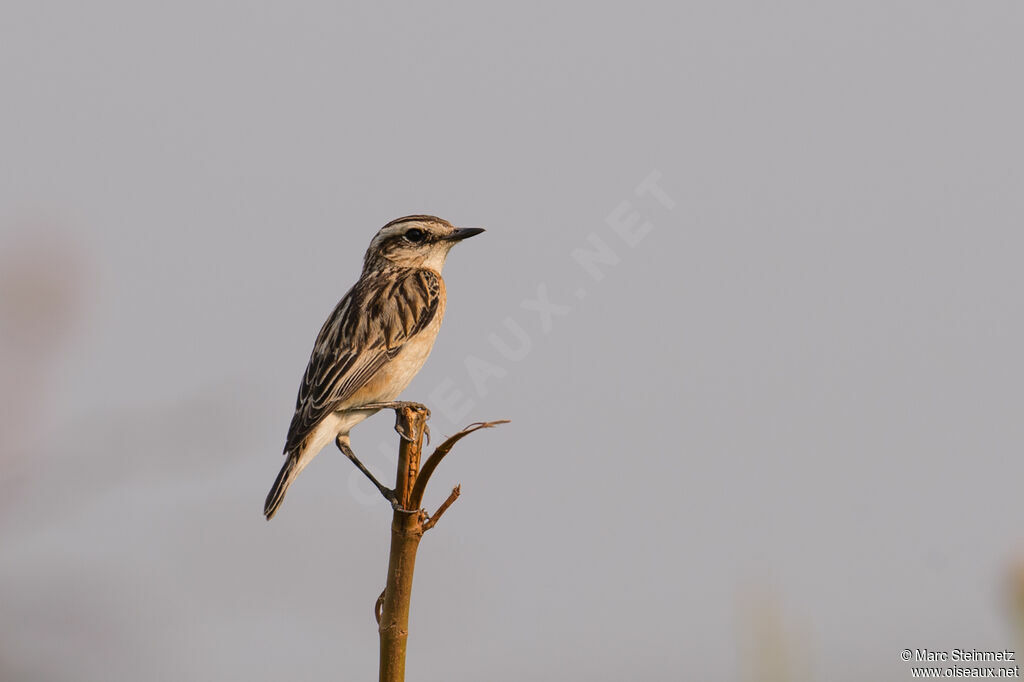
column 386, row 385
column 393, row 378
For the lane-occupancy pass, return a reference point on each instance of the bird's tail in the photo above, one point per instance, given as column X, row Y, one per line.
column 288, row 473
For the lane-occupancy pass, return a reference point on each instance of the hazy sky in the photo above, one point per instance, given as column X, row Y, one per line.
column 750, row 293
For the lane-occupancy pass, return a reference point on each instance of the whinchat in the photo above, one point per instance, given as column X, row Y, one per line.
column 373, row 344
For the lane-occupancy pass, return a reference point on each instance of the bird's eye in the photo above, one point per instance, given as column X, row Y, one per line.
column 414, row 235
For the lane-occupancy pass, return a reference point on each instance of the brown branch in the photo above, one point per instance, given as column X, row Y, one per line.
column 416, row 499
column 408, row 524
column 406, row 531
column 436, row 516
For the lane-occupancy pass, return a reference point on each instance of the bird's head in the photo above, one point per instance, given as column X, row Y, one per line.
column 415, row 241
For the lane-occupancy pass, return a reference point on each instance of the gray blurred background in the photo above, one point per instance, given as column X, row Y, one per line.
column 772, row 432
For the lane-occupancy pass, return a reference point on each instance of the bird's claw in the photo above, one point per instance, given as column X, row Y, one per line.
column 397, row 506
column 408, row 404
column 408, row 437
column 403, row 434
column 419, row 407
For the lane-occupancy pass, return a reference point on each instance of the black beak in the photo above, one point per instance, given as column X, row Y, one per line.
column 461, row 233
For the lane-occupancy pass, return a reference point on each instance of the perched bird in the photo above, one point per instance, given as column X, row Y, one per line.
column 373, row 344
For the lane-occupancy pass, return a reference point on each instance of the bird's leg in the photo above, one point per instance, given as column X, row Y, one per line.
column 388, row 493
column 397, row 405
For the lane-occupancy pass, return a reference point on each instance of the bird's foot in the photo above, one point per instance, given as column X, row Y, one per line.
column 399, row 405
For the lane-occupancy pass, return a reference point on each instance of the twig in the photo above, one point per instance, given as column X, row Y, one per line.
column 408, row 524
column 416, row 498
column 436, row 516
column 406, row 531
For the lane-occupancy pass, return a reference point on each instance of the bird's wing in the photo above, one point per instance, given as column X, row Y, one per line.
column 369, row 327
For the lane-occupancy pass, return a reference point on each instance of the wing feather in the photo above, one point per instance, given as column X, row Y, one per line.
column 368, row 327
